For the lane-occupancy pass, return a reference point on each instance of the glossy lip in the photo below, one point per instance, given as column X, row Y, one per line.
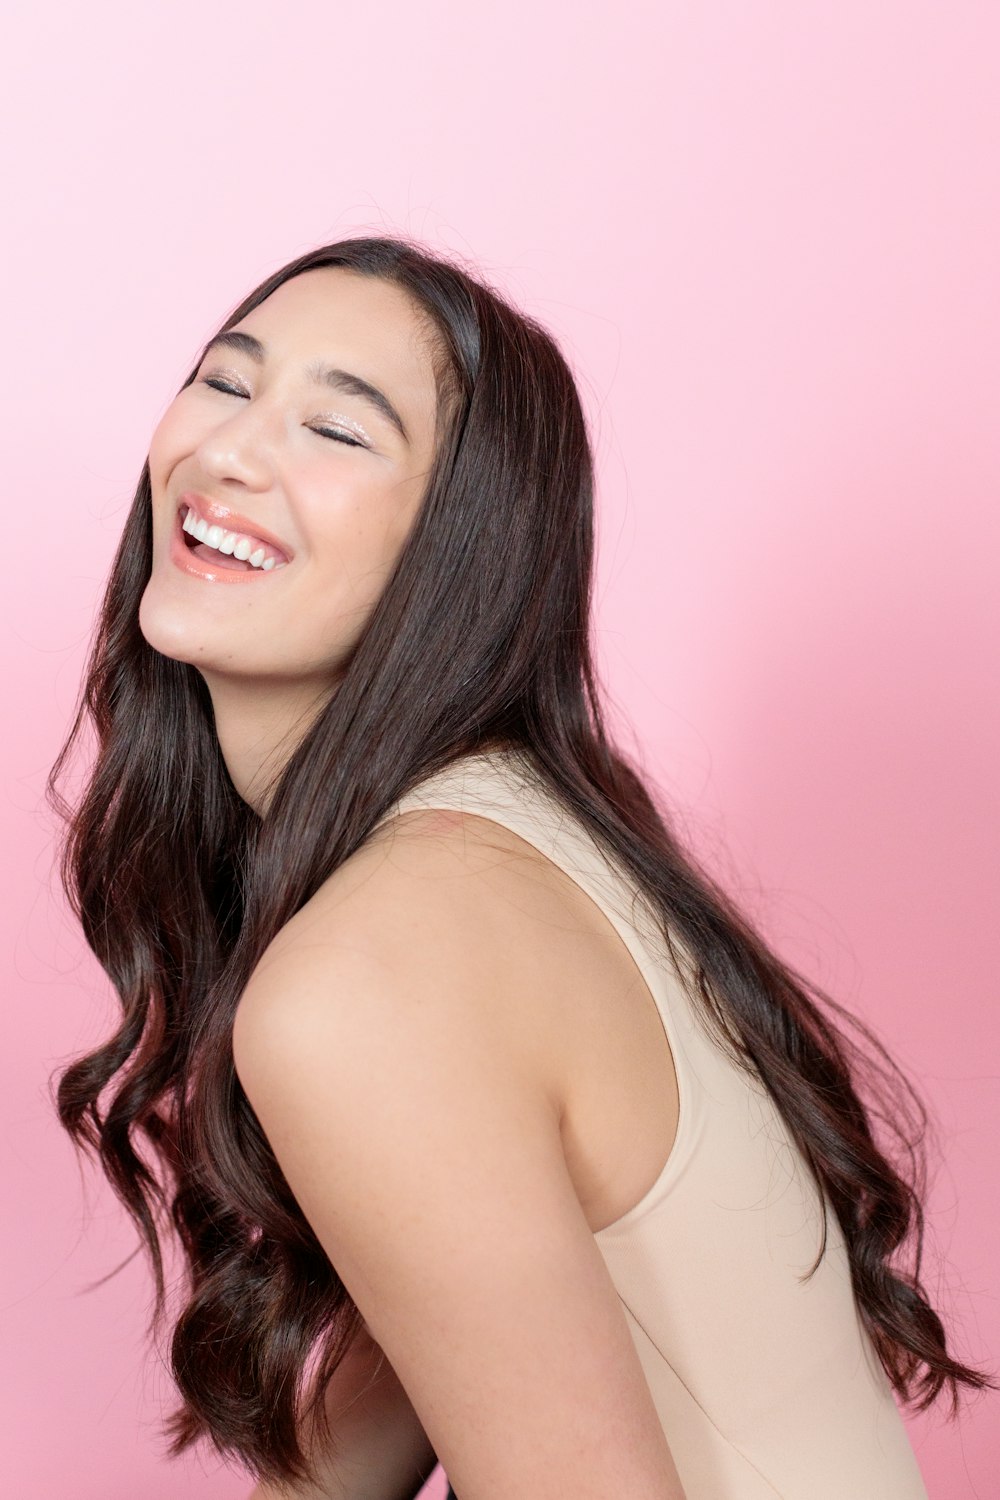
column 218, row 514
column 182, row 557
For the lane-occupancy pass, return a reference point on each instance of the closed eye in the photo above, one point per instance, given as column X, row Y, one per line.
column 221, row 385
column 339, row 434
column 336, row 433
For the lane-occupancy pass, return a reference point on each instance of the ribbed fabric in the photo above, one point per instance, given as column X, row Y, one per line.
column 766, row 1385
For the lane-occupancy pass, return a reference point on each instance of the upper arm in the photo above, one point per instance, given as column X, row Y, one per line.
column 424, row 1150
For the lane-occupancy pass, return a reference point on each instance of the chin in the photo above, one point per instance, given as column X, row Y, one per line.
column 167, row 631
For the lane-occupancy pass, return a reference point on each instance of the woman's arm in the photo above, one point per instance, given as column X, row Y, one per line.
column 383, row 1452
column 394, row 1050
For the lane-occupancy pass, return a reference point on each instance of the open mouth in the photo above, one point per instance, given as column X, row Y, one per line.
column 231, row 551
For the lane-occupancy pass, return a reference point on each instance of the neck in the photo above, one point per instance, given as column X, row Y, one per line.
column 259, row 726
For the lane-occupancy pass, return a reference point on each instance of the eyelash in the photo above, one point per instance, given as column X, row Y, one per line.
column 337, row 434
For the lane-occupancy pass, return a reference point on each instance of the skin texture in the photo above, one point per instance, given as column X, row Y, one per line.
column 271, row 651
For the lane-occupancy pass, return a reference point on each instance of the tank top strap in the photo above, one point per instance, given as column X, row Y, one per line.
column 504, row 785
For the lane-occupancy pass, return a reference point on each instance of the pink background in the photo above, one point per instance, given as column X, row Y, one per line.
column 768, row 238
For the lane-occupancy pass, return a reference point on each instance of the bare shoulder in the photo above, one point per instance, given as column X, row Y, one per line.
column 452, row 914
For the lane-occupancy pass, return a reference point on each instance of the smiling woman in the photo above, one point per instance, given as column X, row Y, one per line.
column 491, row 1130
column 256, row 461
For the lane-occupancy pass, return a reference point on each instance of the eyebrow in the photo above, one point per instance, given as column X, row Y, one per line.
column 320, row 373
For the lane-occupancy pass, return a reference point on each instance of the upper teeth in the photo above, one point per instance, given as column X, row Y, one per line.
column 247, row 549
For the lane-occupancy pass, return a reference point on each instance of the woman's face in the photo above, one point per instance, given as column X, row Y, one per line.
column 277, row 446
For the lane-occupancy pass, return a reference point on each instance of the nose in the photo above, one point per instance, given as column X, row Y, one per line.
column 239, row 448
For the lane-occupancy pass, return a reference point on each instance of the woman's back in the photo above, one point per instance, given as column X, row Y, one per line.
column 766, row 1384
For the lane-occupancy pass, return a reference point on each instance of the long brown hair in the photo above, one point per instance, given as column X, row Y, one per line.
column 179, row 885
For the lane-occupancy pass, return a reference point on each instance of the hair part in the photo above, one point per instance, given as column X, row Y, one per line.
column 481, row 636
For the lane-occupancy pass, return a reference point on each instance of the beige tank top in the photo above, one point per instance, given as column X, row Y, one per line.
column 766, row 1386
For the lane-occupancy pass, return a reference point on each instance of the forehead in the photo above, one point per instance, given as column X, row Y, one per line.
column 362, row 323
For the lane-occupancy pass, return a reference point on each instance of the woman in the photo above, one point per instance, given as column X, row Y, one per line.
column 491, row 1130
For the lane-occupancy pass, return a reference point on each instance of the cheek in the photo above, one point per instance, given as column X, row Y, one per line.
column 174, row 436
column 356, row 535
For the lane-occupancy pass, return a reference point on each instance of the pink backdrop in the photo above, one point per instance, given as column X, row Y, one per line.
column 768, row 237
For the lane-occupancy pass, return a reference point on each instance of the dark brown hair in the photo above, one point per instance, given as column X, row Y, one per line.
column 481, row 636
